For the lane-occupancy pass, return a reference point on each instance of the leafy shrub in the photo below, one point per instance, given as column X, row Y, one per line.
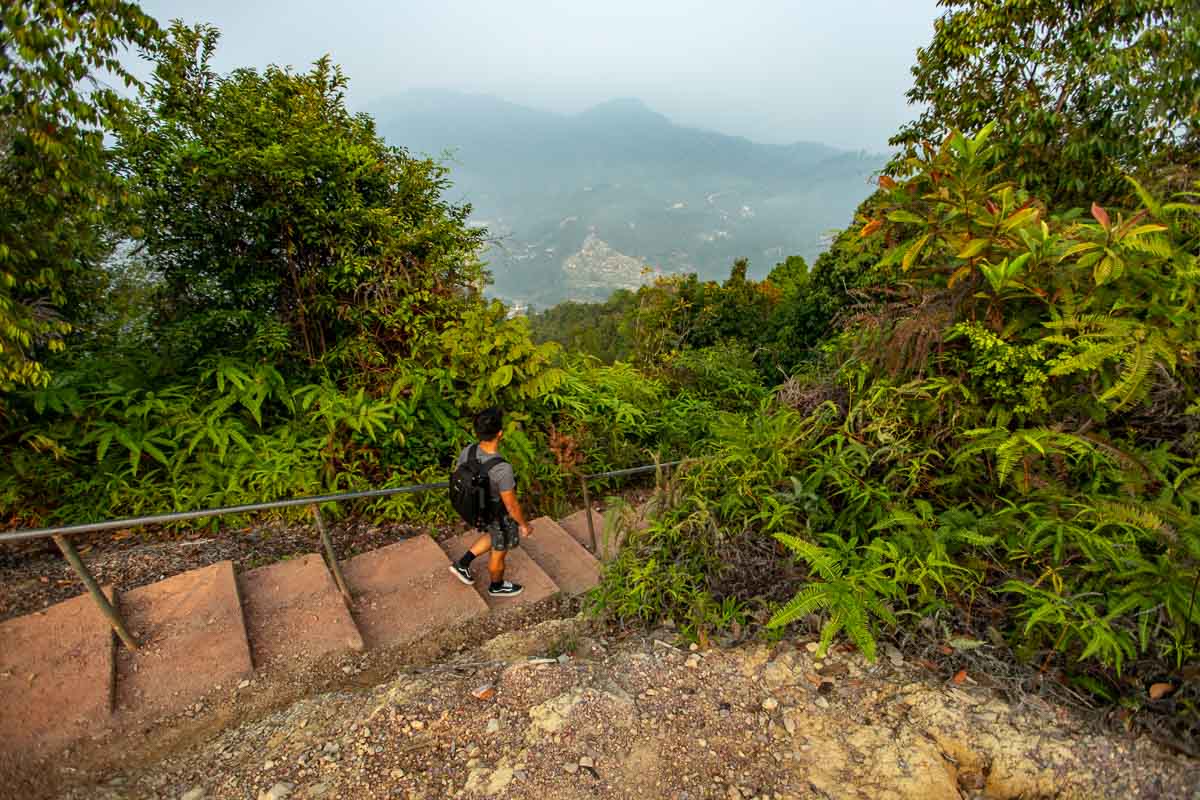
column 1018, row 440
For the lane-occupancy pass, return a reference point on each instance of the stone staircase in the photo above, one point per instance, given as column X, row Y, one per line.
column 64, row 676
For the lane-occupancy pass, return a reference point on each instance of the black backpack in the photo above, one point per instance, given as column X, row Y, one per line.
column 471, row 490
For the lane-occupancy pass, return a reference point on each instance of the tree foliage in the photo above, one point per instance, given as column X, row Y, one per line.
column 56, row 188
column 281, row 224
column 1081, row 92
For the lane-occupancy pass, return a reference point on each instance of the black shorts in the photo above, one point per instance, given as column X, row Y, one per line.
column 505, row 534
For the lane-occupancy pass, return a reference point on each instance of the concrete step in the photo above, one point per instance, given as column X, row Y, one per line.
column 294, row 612
column 566, row 561
column 576, row 525
column 192, row 639
column 518, row 568
column 56, row 676
column 405, row 591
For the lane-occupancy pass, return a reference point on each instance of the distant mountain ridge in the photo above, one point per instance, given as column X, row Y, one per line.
column 624, row 176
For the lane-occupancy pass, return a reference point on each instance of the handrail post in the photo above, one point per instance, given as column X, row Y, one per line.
column 106, row 608
column 587, row 505
column 334, row 566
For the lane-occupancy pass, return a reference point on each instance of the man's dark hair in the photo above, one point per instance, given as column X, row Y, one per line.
column 489, row 423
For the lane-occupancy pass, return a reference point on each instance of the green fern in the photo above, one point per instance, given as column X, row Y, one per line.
column 852, row 596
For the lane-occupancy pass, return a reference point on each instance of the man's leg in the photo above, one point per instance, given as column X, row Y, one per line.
column 482, row 545
column 504, row 538
column 496, row 566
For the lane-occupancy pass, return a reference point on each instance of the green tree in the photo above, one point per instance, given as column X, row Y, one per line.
column 1081, row 91
column 56, row 189
column 282, row 225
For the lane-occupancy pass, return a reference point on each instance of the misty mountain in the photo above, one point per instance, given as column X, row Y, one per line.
column 583, row 204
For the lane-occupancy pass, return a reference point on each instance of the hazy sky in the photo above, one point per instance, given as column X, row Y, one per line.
column 771, row 70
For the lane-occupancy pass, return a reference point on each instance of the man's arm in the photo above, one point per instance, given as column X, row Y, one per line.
column 514, row 510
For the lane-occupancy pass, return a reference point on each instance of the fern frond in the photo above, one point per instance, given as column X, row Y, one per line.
column 1132, row 385
column 1158, row 246
column 809, row 599
column 1090, row 359
column 1134, row 516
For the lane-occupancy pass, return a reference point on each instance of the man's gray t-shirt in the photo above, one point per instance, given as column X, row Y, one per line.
column 501, row 475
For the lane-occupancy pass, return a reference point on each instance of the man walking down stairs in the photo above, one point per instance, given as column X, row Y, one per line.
column 505, row 521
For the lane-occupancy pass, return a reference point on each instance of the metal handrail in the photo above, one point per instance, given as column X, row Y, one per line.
column 60, row 533
column 26, row 534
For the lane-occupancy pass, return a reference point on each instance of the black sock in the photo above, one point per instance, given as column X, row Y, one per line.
column 497, row 584
column 465, row 561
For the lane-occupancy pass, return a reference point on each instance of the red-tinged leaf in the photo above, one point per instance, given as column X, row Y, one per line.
column 946, row 649
column 1101, row 216
column 992, row 207
column 959, row 274
column 870, row 228
column 927, row 664
column 960, row 676
column 886, row 183
column 1160, row 690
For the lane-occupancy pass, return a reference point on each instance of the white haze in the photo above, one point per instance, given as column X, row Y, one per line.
column 771, row 70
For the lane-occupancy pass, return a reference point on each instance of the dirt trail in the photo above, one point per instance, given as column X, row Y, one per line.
column 642, row 719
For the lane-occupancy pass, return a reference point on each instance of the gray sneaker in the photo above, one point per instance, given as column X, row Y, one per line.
column 506, row 589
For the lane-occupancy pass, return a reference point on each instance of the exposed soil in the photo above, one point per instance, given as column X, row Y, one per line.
column 595, row 717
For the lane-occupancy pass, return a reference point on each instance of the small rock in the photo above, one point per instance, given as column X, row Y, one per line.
column 770, row 704
column 417, row 725
column 587, row 761
column 789, row 724
column 893, row 655
column 693, row 661
column 196, row 793
column 571, row 767
column 821, row 702
column 811, row 647
column 280, row 791
column 563, row 658
column 244, row 684
column 348, row 670
column 493, row 726
column 485, row 692
column 269, row 765
column 332, row 747
column 693, row 647
column 397, row 774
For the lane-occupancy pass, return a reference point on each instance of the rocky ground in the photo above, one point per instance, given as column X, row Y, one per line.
column 558, row 711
